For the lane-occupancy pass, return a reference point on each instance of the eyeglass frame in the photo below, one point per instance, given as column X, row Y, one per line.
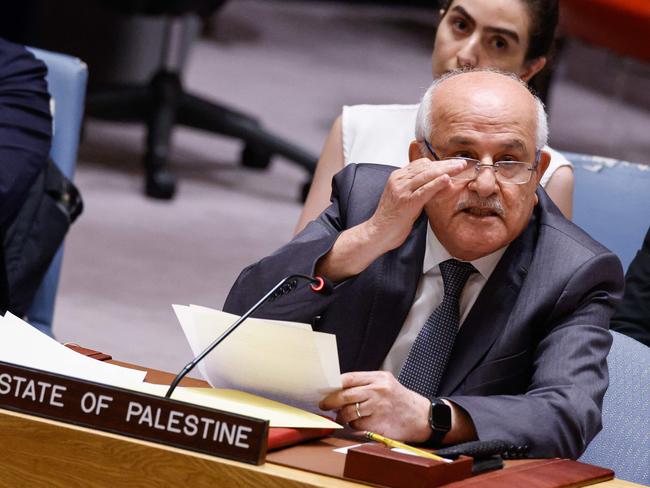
column 495, row 165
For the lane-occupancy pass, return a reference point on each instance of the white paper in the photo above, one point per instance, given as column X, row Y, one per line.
column 23, row 345
column 278, row 414
column 285, row 361
column 344, row 450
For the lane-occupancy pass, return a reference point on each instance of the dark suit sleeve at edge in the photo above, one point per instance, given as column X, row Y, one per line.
column 25, row 124
column 298, row 256
column 632, row 316
column 561, row 411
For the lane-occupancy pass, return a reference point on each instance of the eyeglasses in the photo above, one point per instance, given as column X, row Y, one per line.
column 509, row 172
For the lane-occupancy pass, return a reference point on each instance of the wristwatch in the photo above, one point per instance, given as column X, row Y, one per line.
column 439, row 421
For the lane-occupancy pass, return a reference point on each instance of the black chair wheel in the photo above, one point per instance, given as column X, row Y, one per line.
column 255, row 157
column 161, row 185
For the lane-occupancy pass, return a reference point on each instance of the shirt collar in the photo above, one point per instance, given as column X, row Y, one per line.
column 435, row 253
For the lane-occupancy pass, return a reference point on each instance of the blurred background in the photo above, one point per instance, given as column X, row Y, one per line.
column 292, row 64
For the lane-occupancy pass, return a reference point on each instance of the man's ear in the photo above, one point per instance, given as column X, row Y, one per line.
column 544, row 160
column 532, row 67
column 415, row 151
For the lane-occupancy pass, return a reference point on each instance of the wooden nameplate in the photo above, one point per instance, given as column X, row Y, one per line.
column 380, row 465
column 133, row 414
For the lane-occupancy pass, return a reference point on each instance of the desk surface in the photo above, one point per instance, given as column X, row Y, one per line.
column 156, row 376
column 40, row 452
column 37, row 451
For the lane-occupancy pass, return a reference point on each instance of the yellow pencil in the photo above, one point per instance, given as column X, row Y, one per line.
column 400, row 445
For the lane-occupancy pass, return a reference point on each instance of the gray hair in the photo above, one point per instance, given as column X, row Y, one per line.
column 423, row 123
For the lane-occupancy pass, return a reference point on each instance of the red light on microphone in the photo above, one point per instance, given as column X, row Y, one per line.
column 319, row 286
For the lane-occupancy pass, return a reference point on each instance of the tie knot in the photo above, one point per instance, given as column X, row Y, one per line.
column 454, row 275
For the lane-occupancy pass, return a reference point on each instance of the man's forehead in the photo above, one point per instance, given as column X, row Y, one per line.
column 507, row 142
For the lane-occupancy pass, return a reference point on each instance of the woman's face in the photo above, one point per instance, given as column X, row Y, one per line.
column 484, row 34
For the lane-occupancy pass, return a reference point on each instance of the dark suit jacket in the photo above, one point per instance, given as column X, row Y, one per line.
column 529, row 361
column 25, row 137
column 632, row 316
column 25, row 125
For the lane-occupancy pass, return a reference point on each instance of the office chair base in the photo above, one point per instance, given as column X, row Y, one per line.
column 163, row 103
column 255, row 157
column 160, row 184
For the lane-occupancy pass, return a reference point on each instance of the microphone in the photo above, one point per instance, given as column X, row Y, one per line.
column 318, row 284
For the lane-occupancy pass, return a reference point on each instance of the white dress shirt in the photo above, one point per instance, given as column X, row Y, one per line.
column 429, row 295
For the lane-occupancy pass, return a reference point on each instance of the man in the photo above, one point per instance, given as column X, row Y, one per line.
column 460, row 280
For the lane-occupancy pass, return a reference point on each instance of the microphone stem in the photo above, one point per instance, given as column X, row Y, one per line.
column 190, row 366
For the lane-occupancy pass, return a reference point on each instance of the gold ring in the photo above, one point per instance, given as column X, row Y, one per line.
column 356, row 407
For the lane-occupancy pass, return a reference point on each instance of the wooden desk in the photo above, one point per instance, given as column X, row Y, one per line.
column 41, row 452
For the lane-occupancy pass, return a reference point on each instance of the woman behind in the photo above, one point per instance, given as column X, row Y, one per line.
column 509, row 35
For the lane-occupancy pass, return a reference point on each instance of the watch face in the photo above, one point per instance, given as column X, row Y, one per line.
column 440, row 416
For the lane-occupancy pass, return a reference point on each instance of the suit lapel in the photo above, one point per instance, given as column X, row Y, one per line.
column 396, row 279
column 491, row 311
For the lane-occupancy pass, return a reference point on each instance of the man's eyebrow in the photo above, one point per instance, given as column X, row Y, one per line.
column 515, row 144
column 495, row 30
column 460, row 141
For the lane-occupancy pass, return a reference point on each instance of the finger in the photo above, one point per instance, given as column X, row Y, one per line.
column 364, row 424
column 340, row 398
column 353, row 412
column 333, row 401
column 360, row 378
column 424, row 164
column 436, row 170
column 426, row 192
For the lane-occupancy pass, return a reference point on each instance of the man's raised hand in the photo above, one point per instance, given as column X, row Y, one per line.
column 407, row 190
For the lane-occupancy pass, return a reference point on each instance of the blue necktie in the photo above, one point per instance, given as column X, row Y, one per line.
column 428, row 357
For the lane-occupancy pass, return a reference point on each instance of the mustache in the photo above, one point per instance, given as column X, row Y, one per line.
column 491, row 203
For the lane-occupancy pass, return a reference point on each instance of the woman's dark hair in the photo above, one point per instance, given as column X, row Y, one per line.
column 544, row 17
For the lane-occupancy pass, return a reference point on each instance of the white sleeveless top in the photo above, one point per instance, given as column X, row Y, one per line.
column 382, row 134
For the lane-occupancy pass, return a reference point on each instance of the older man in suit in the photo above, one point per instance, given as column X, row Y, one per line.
column 466, row 306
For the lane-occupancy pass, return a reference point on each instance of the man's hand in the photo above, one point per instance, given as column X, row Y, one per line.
column 384, row 405
column 407, row 190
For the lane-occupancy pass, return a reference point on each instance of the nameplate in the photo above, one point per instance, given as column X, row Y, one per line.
column 133, row 414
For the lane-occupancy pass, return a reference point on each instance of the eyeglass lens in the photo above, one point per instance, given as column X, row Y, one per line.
column 516, row 172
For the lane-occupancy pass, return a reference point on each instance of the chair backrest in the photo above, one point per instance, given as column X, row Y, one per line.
column 624, row 443
column 66, row 80
column 612, row 202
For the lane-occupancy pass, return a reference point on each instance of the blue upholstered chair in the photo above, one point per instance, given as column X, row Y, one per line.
column 624, row 443
column 612, row 202
column 66, row 81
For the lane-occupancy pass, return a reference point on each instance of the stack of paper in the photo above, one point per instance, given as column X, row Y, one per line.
column 23, row 345
column 278, row 414
column 286, row 361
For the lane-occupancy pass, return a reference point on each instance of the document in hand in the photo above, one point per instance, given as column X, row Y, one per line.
column 285, row 361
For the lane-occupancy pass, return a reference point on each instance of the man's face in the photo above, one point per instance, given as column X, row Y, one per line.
column 482, row 34
column 491, row 118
